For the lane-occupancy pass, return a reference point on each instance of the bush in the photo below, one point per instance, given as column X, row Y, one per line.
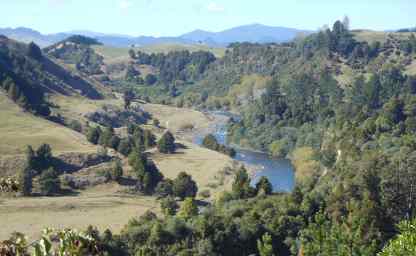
column 75, row 125
column 49, row 182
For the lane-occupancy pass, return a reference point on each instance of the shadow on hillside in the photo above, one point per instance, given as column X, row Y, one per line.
column 62, row 193
column 75, row 82
column 181, row 146
column 125, row 181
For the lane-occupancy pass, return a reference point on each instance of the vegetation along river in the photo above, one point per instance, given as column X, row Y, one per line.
column 279, row 171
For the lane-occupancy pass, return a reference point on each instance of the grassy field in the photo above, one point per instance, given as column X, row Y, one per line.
column 18, row 129
column 113, row 53
column 77, row 107
column 175, row 119
column 372, row 36
column 102, row 207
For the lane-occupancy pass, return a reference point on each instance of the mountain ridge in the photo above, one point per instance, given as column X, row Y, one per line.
column 254, row 33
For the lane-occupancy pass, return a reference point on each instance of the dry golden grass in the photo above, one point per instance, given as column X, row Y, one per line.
column 204, row 165
column 174, row 118
column 77, row 107
column 373, row 36
column 101, row 207
column 18, row 129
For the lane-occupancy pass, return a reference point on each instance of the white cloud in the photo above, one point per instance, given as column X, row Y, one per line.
column 214, row 7
column 125, row 4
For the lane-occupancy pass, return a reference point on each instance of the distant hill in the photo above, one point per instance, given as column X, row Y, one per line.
column 255, row 33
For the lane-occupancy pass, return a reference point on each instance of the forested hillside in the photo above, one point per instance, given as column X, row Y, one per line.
column 345, row 105
column 27, row 74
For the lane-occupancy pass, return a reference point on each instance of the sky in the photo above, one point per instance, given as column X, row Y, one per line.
column 175, row 17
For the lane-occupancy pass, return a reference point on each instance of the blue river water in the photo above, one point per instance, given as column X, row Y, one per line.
column 280, row 171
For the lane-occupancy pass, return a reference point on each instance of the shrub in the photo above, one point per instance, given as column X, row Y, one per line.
column 75, row 125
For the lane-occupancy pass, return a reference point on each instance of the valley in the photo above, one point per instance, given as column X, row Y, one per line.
column 209, row 144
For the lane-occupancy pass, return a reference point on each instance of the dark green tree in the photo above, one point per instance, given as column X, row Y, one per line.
column 241, row 186
column 93, row 135
column 166, row 144
column 184, row 186
column 169, row 206
column 264, row 187
column 49, row 182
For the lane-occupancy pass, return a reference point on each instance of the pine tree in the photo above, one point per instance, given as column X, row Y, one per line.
column 166, row 144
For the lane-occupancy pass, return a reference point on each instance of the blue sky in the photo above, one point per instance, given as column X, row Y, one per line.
column 174, row 17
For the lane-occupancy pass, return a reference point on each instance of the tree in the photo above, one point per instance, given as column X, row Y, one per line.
column 34, row 51
column 128, row 97
column 49, row 182
column 117, row 170
column 105, row 137
column 404, row 243
column 93, row 135
column 165, row 188
column 169, row 206
column 150, row 79
column 188, row 208
column 114, row 142
column 184, row 186
column 265, row 245
column 241, row 185
column 148, row 176
column 166, row 144
column 132, row 74
column 25, row 181
column 264, row 186
column 132, row 54
column 43, row 157
column 124, row 147
column 149, row 139
column 210, row 142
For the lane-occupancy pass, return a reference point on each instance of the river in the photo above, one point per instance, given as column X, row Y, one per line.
column 280, row 172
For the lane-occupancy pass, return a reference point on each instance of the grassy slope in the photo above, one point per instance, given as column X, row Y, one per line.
column 101, row 207
column 113, row 53
column 18, row 129
column 372, row 36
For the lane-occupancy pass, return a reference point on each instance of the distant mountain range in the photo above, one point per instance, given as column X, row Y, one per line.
column 255, row 33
